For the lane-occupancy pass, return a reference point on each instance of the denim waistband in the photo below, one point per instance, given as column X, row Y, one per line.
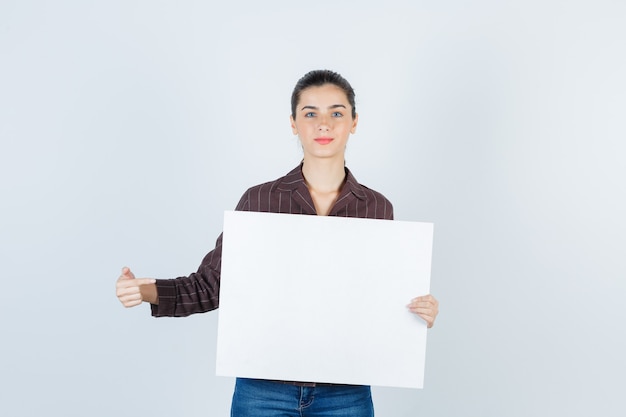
column 311, row 384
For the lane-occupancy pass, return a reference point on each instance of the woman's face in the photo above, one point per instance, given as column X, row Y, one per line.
column 323, row 122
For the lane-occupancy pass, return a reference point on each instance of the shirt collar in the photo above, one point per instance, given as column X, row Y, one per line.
column 294, row 180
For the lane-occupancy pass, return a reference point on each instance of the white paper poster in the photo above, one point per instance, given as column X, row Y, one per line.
column 323, row 299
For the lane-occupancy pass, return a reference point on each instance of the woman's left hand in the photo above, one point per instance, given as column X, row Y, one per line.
column 427, row 307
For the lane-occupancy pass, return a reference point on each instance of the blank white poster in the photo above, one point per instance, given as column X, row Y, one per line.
column 323, row 299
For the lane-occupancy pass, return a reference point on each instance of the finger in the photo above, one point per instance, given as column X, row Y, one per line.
column 131, row 303
column 425, row 308
column 427, row 311
column 429, row 314
column 123, row 288
column 130, row 297
column 422, row 304
column 426, row 297
column 124, row 291
column 127, row 274
column 422, row 308
column 134, row 283
column 125, row 282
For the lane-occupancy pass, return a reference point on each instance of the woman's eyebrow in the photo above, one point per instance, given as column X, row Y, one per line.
column 334, row 106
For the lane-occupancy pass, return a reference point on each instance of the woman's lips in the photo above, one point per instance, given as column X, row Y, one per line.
column 323, row 141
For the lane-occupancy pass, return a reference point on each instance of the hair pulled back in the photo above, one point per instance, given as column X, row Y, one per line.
column 318, row 78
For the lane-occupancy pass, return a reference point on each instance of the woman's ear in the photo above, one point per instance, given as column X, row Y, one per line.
column 294, row 129
column 354, row 123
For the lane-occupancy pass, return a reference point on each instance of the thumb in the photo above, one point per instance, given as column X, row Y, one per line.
column 144, row 281
column 127, row 274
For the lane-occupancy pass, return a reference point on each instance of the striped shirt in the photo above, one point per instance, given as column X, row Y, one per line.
column 199, row 292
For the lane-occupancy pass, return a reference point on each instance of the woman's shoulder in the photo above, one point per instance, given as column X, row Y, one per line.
column 374, row 194
column 379, row 202
column 288, row 181
column 363, row 190
column 264, row 192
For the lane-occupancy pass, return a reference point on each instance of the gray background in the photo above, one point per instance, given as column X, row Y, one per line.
column 128, row 127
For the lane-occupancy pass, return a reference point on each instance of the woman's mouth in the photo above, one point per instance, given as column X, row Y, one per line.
column 323, row 141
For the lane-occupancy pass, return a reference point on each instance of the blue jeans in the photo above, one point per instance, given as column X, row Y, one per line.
column 260, row 398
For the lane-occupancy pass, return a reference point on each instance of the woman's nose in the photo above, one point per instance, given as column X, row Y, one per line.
column 323, row 126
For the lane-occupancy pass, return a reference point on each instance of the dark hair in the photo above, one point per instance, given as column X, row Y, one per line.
column 318, row 78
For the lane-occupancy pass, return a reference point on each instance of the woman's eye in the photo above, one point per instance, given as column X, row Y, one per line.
column 309, row 114
column 337, row 114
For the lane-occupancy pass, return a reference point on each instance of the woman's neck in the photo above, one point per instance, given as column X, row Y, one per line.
column 324, row 175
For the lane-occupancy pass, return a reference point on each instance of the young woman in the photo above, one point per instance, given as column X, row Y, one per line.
column 323, row 115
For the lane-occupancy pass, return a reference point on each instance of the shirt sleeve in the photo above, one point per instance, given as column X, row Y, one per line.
column 198, row 292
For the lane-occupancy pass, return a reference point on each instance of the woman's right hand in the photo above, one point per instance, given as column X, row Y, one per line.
column 132, row 291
